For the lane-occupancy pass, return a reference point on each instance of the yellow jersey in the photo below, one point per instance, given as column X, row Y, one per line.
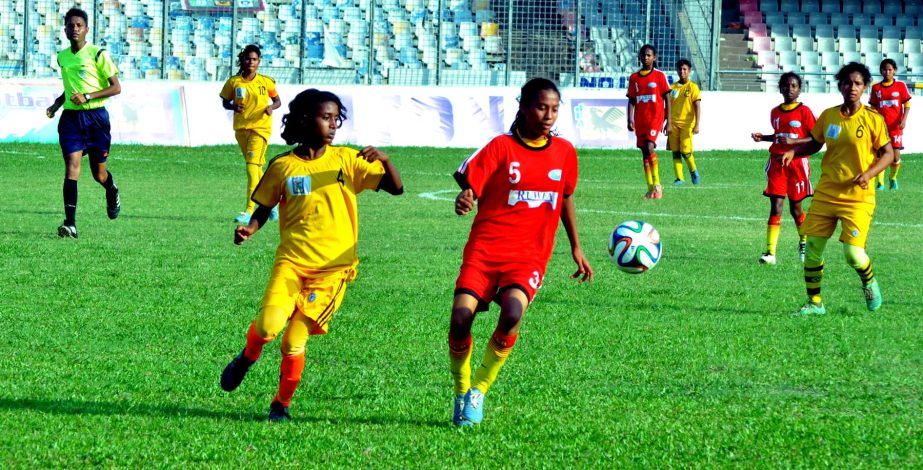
column 852, row 146
column 87, row 71
column 318, row 216
column 682, row 97
column 255, row 95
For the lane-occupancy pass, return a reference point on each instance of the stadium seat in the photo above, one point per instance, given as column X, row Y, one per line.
column 872, row 60
column 780, row 31
column 816, row 84
column 775, row 19
column 852, row 56
column 912, row 46
column 809, row 58
column 783, row 44
column 752, row 17
column 787, row 60
column 852, row 6
column 905, row 21
column 868, row 45
column 899, row 60
column 831, row 61
column 882, row 20
column 797, row 18
column 837, row 19
column 802, row 30
column 869, row 7
column 803, row 44
column 890, row 46
column 767, row 60
column 891, row 32
column 807, row 6
column 757, row 30
column 824, row 31
column 826, row 44
column 830, row 6
column 915, row 62
column 762, row 44
column 893, row 8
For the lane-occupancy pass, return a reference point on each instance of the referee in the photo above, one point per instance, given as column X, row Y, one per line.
column 90, row 77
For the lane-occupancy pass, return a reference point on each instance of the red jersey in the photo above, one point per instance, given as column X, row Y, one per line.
column 520, row 192
column 648, row 91
column 889, row 102
column 796, row 123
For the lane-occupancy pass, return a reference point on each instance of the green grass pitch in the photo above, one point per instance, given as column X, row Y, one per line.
column 113, row 343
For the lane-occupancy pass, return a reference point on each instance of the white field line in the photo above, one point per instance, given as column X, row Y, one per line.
column 438, row 196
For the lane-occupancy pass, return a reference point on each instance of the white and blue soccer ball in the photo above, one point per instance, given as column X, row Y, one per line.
column 634, row 246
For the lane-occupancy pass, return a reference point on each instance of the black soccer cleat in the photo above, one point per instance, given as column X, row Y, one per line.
column 235, row 372
column 278, row 413
column 113, row 203
column 67, row 231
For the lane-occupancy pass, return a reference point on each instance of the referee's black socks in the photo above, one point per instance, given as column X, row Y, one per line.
column 70, row 201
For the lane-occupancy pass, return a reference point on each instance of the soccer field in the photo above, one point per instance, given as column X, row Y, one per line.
column 114, row 342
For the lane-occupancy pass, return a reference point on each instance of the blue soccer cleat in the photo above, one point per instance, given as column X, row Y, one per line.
column 243, row 218
column 696, row 179
column 457, row 418
column 679, row 182
column 810, row 308
column 473, row 410
column 278, row 413
column 894, row 185
column 274, row 213
column 873, row 297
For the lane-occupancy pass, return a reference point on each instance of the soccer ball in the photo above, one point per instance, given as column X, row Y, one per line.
column 634, row 246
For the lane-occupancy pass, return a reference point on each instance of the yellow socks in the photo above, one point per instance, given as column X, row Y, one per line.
column 772, row 233
column 690, row 160
column 254, row 173
column 498, row 349
column 460, row 364
column 895, row 168
column 678, row 165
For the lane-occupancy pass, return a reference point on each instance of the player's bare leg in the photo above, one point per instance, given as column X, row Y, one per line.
column 463, row 308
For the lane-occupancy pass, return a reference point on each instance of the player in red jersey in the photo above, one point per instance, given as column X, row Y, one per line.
column 891, row 99
column 649, row 114
column 523, row 182
column 791, row 124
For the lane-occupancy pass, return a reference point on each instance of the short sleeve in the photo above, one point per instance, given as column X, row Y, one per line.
column 106, row 65
column 271, row 88
column 268, row 191
column 873, row 99
column 808, row 120
column 905, row 94
column 631, row 87
column 817, row 132
column 881, row 136
column 571, row 171
column 474, row 172
column 365, row 174
column 227, row 91
column 664, row 84
column 695, row 96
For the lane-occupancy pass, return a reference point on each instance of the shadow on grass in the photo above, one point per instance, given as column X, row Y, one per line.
column 98, row 408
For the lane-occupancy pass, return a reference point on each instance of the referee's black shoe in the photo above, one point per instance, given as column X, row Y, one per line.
column 113, row 203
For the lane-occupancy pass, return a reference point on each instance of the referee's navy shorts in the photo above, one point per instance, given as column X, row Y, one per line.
column 85, row 131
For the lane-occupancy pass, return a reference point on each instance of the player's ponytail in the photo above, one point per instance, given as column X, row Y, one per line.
column 528, row 94
column 298, row 124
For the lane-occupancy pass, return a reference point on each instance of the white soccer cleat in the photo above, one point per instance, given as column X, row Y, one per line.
column 768, row 258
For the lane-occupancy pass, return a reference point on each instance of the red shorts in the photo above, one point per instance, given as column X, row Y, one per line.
column 897, row 138
column 647, row 134
column 793, row 180
column 485, row 279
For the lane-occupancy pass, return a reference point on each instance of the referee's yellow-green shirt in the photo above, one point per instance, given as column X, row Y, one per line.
column 87, row 71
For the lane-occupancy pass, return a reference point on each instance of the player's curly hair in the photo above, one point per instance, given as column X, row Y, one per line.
column 529, row 93
column 854, row 67
column 296, row 125
column 682, row 62
column 244, row 53
column 78, row 13
column 787, row 75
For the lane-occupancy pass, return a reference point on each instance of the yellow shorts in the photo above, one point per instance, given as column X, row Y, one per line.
column 680, row 139
column 292, row 289
column 854, row 218
column 252, row 146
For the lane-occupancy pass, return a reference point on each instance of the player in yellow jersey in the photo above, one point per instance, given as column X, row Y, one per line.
column 315, row 185
column 854, row 135
column 248, row 94
column 90, row 77
column 685, row 111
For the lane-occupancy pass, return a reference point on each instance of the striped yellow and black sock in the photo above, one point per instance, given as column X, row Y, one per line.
column 690, row 161
column 813, row 275
column 772, row 233
column 895, row 168
column 498, row 349
column 460, row 363
column 866, row 274
column 678, row 165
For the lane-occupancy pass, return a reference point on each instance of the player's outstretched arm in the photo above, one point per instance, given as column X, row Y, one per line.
column 884, row 160
column 391, row 181
column 569, row 219
column 760, row 137
column 807, row 148
column 243, row 232
column 464, row 202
